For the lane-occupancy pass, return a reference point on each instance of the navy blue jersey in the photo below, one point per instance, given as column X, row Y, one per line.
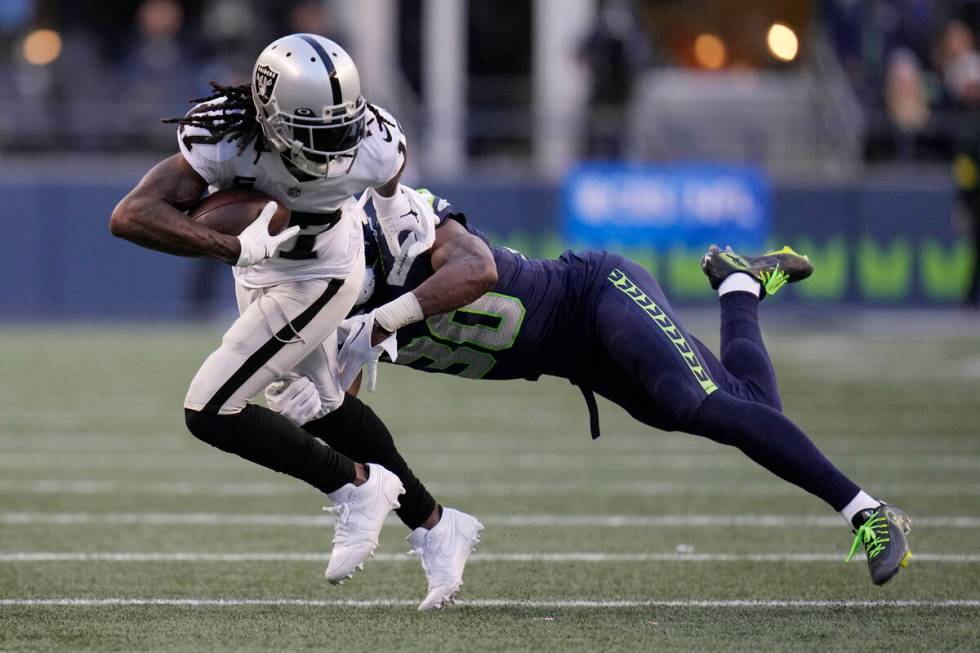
column 595, row 318
column 529, row 324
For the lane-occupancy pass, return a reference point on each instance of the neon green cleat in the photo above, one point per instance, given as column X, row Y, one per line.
column 772, row 270
column 883, row 534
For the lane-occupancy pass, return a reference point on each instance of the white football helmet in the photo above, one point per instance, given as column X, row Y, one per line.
column 307, row 96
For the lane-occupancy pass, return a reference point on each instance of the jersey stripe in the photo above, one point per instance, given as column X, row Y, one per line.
column 625, row 285
column 338, row 96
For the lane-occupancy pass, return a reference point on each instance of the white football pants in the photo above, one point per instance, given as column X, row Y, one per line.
column 283, row 331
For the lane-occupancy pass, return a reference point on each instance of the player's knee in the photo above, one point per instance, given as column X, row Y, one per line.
column 331, row 402
column 343, row 418
column 371, row 422
column 731, row 420
column 709, row 421
column 205, row 426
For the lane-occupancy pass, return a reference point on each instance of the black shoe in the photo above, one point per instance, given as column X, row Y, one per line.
column 772, row 270
column 882, row 531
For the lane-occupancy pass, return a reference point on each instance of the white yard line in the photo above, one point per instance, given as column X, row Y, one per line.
column 503, row 488
column 558, row 460
column 517, row 521
column 493, row 603
column 551, row 444
column 156, row 488
column 32, row 556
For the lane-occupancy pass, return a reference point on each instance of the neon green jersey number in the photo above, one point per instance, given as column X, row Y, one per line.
column 469, row 363
column 491, row 323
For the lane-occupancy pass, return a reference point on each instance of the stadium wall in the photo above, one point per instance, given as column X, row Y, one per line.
column 883, row 244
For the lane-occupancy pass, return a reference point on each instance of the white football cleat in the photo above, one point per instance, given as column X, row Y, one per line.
column 443, row 550
column 361, row 512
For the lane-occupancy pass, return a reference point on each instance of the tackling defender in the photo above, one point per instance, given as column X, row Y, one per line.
column 302, row 133
column 604, row 323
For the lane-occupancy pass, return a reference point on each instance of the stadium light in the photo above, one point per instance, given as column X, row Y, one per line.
column 42, row 47
column 710, row 51
column 783, row 43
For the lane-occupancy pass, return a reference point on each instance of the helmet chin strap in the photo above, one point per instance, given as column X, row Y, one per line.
column 296, row 152
column 298, row 173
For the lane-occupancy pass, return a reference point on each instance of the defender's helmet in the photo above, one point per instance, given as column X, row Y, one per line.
column 307, row 96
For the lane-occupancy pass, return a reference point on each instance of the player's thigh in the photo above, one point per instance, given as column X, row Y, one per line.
column 639, row 332
column 275, row 332
column 244, row 296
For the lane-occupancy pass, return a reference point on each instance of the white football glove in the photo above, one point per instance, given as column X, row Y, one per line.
column 257, row 244
column 418, row 219
column 356, row 351
column 297, row 400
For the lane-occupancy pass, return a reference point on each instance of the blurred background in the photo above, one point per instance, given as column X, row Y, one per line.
column 847, row 128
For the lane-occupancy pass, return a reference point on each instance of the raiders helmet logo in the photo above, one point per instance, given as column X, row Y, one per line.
column 265, row 82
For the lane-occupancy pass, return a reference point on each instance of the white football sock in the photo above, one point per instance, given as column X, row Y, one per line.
column 861, row 501
column 739, row 282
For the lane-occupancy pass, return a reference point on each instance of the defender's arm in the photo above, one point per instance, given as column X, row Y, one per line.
column 464, row 271
column 152, row 214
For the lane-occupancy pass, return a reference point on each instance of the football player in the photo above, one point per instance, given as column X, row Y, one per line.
column 603, row 322
column 302, row 133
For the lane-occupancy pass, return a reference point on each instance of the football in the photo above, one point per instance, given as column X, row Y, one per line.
column 230, row 211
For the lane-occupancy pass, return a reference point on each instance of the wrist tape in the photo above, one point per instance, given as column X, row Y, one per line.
column 398, row 313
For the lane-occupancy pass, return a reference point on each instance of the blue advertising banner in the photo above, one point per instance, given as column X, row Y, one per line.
column 665, row 205
column 889, row 243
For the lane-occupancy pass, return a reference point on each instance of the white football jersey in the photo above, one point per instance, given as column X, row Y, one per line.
column 317, row 251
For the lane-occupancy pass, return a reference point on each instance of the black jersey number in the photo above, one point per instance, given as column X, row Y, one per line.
column 311, row 225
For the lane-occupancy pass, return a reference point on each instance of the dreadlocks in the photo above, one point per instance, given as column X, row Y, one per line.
column 234, row 119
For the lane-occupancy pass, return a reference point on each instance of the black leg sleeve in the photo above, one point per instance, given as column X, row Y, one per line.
column 267, row 438
column 743, row 353
column 770, row 439
column 356, row 431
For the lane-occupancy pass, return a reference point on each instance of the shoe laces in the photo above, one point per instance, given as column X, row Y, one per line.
column 873, row 534
column 341, row 526
column 773, row 280
column 429, row 555
column 420, row 553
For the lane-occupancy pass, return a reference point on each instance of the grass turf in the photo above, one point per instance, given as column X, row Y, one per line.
column 91, row 423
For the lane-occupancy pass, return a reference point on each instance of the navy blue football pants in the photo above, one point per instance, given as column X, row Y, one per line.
column 646, row 362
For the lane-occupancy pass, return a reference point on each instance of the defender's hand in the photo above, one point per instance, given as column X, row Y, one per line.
column 257, row 244
column 408, row 230
column 298, row 400
column 408, row 224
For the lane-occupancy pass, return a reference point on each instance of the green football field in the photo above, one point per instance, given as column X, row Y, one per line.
column 119, row 531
